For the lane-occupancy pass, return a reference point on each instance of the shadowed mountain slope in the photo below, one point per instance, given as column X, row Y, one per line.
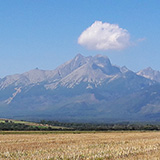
column 86, row 89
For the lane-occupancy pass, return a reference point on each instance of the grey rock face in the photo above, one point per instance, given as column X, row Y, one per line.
column 150, row 74
column 84, row 88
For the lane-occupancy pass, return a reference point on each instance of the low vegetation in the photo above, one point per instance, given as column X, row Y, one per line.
column 13, row 125
column 126, row 126
column 56, row 141
column 91, row 146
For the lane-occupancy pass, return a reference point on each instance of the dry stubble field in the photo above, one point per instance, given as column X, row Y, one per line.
column 91, row 146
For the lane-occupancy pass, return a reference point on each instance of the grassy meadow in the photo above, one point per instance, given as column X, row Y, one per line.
column 81, row 146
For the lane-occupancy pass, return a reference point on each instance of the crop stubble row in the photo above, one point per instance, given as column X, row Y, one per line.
column 127, row 145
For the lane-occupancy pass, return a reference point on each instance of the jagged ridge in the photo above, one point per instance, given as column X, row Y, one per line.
column 84, row 88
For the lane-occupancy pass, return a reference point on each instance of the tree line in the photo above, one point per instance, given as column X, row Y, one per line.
column 11, row 126
column 62, row 126
column 104, row 126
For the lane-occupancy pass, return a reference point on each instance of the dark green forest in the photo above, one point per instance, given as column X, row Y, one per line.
column 104, row 127
column 62, row 126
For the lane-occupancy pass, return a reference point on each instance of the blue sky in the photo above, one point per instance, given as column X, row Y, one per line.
column 44, row 33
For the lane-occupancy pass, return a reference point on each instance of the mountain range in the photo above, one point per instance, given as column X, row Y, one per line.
column 84, row 89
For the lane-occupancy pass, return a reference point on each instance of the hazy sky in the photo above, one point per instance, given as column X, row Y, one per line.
column 46, row 33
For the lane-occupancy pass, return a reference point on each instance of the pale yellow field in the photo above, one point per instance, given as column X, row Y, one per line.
column 91, row 146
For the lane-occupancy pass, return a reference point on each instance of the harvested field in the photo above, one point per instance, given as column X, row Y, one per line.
column 91, row 146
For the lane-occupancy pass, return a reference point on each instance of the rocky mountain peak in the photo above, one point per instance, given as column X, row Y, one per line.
column 78, row 57
column 84, row 87
column 102, row 62
column 124, row 69
column 68, row 67
column 150, row 74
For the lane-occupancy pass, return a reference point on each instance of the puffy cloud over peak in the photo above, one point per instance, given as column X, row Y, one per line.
column 104, row 36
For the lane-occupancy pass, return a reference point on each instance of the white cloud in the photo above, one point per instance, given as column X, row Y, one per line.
column 104, row 36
